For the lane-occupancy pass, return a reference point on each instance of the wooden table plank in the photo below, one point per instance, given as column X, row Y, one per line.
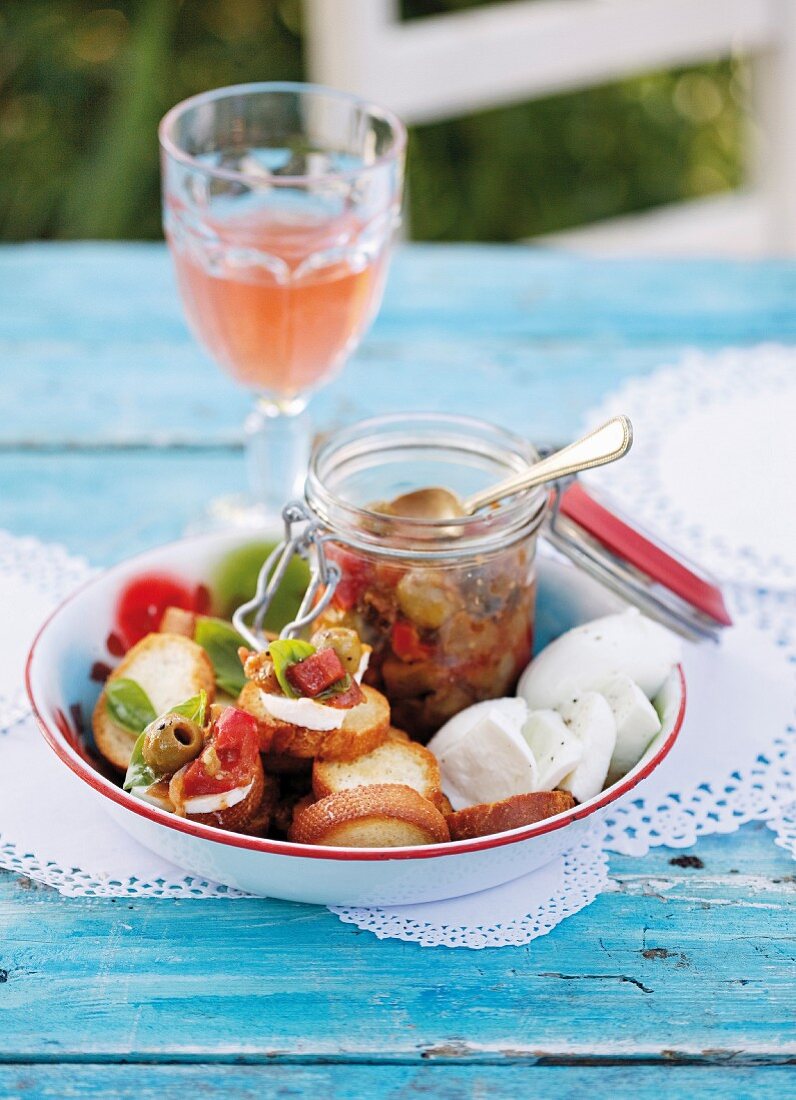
column 675, row 964
column 107, row 505
column 442, row 1082
column 532, row 339
column 116, row 430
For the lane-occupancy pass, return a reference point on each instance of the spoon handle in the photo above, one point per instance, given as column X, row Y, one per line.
column 605, row 444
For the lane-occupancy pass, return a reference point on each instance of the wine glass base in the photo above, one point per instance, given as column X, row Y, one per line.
column 235, row 513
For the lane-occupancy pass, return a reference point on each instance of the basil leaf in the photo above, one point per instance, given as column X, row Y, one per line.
column 285, row 652
column 194, row 709
column 220, row 642
column 129, row 705
column 139, row 773
column 337, row 688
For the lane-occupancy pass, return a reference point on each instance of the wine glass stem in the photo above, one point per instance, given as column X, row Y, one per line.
column 277, row 451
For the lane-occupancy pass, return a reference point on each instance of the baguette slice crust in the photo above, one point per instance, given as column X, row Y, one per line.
column 394, row 761
column 386, row 815
column 443, row 803
column 510, row 813
column 250, row 700
column 364, row 728
column 170, row 668
column 262, row 818
column 394, row 734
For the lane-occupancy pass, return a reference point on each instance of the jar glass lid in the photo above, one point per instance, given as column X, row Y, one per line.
column 635, row 564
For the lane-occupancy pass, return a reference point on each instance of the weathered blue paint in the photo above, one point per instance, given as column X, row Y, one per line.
column 115, row 429
column 346, row 1082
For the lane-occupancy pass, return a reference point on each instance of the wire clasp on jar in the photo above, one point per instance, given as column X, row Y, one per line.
column 305, row 537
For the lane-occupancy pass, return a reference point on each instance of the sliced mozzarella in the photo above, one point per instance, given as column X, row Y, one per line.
column 555, row 748
column 214, row 803
column 491, row 760
column 591, row 720
column 155, row 796
column 580, row 660
column 304, row 712
column 512, row 712
column 637, row 722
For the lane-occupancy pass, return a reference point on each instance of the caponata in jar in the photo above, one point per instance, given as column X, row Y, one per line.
column 443, row 637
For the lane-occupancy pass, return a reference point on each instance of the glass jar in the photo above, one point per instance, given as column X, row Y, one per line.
column 447, row 605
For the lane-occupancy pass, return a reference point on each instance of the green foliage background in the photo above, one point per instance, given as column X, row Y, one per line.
column 83, row 85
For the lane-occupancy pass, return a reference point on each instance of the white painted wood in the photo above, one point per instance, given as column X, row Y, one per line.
column 734, row 226
column 440, row 66
column 772, row 137
column 443, row 66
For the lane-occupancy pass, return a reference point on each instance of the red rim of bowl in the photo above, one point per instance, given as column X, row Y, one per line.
column 308, row 851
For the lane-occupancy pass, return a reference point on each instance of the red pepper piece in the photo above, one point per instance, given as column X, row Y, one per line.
column 356, row 574
column 344, row 700
column 406, row 643
column 316, row 673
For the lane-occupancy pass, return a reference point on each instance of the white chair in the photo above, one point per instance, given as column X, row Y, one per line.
column 443, row 66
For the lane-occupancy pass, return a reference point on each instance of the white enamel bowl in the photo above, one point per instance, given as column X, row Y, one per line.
column 58, row 678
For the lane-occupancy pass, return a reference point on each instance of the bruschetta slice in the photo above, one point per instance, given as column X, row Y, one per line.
column 387, row 815
column 168, row 669
column 394, row 761
column 510, row 813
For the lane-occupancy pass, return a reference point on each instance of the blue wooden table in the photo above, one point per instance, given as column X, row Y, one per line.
column 115, row 428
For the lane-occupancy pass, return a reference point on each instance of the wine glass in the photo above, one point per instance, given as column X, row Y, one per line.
column 280, row 201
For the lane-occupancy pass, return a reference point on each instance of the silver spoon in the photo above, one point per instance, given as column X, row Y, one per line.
column 605, row 444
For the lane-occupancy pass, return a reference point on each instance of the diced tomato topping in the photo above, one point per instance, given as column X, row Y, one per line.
column 143, row 601
column 236, row 746
column 344, row 700
column 406, row 642
column 316, row 673
column 356, row 574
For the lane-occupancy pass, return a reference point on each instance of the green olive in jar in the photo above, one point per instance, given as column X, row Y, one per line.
column 170, row 742
column 425, row 598
column 344, row 642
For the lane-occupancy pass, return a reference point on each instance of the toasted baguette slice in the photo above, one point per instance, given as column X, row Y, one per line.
column 397, row 735
column 170, row 668
column 387, row 815
column 443, row 803
column 261, row 820
column 177, row 621
column 510, row 813
column 250, row 699
column 364, row 728
column 393, row 762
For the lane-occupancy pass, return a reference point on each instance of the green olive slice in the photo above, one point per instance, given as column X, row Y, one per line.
column 170, row 742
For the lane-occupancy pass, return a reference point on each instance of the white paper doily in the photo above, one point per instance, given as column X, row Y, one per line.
column 517, row 912
column 714, row 451
column 731, row 764
column 33, row 579
column 735, row 758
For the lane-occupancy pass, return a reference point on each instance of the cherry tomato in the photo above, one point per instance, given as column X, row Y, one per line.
column 143, row 601
column 236, row 745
